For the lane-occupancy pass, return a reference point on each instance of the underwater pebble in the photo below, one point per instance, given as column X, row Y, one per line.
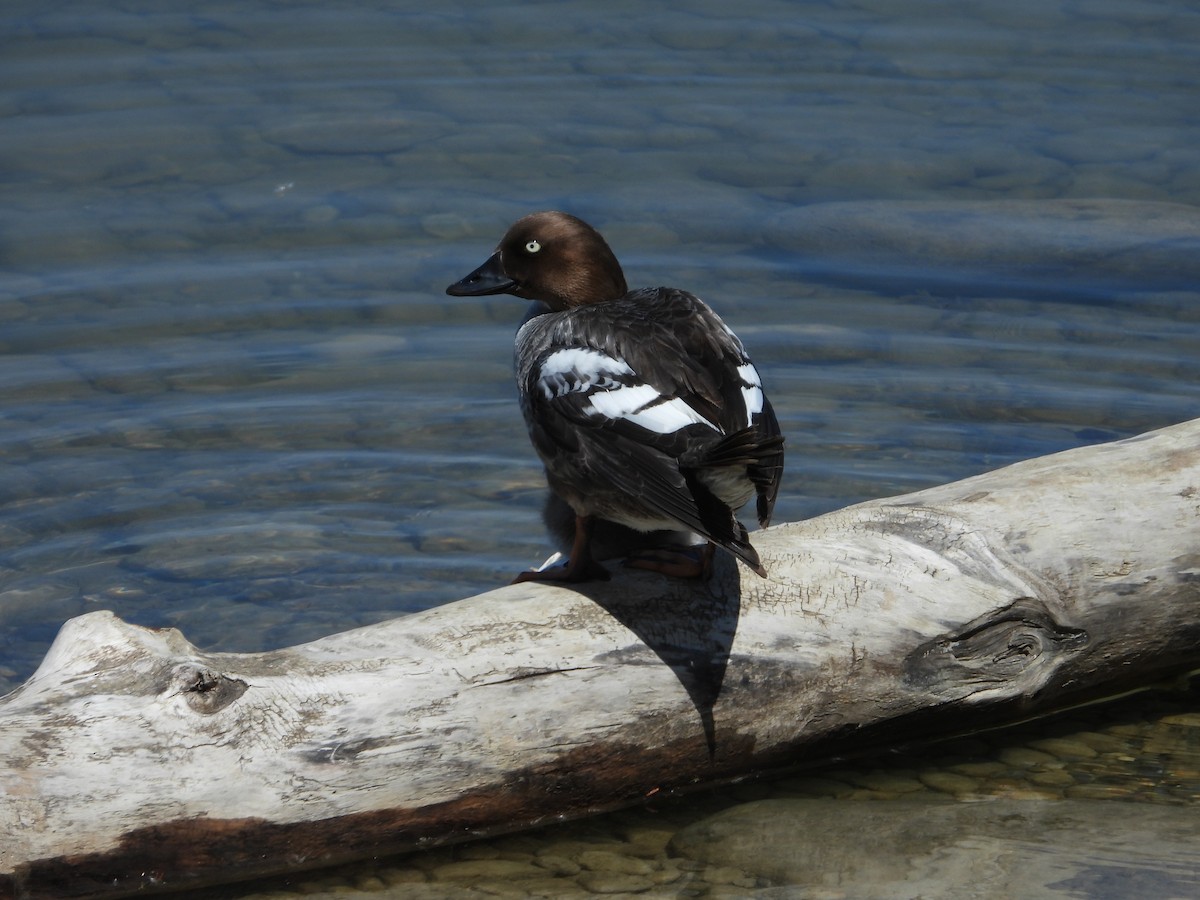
column 1014, row 790
column 477, row 851
column 1025, row 757
column 558, row 865
column 518, row 890
column 402, row 876
column 471, row 869
column 1064, row 748
column 1053, row 778
column 818, row 787
column 647, row 842
column 1103, row 743
column 861, row 794
column 948, row 782
column 1188, row 719
column 668, row 872
column 981, row 769
column 885, row 782
column 730, row 876
column 517, row 846
column 571, row 847
column 606, row 861
column 614, row 883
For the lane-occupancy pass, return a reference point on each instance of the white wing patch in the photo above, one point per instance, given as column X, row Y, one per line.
column 579, row 369
column 752, row 393
column 612, row 391
column 643, row 405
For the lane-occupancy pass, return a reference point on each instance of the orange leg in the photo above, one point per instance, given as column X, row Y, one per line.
column 580, row 566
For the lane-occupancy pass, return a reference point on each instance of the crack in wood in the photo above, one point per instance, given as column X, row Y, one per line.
column 525, row 675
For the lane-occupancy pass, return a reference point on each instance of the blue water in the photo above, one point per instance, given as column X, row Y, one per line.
column 237, row 401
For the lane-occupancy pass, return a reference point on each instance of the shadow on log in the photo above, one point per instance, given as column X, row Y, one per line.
column 133, row 761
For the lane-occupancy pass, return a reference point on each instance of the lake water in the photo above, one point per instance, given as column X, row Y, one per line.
column 236, row 400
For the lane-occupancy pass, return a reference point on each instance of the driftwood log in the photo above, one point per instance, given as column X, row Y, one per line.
column 131, row 760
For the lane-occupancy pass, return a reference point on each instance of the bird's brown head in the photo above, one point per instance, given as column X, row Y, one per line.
column 549, row 256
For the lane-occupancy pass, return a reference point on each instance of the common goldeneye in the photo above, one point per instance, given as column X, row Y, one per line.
column 643, row 405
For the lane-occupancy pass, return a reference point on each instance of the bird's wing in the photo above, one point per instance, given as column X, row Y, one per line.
column 593, row 409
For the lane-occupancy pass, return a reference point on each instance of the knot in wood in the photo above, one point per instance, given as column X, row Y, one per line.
column 1021, row 642
column 205, row 690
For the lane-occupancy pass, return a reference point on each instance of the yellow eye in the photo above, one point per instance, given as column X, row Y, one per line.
column 533, row 247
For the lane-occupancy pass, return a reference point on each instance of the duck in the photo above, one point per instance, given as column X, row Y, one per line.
column 643, row 405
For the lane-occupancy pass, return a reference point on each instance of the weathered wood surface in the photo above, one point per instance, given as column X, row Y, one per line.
column 132, row 760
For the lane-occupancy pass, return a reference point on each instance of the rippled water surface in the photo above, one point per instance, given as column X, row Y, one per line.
column 236, row 400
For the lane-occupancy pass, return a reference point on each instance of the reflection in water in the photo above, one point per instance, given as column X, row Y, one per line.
column 236, row 400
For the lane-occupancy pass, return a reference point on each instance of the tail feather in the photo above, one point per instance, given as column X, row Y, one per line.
column 768, row 474
column 761, row 455
column 721, row 525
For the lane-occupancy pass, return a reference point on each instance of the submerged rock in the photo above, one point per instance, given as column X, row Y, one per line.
column 930, row 849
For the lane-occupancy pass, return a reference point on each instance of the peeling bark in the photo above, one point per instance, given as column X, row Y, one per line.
column 133, row 761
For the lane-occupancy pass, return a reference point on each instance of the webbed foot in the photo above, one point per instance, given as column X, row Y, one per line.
column 677, row 562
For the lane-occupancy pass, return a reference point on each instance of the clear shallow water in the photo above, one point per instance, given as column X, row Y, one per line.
column 237, row 401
